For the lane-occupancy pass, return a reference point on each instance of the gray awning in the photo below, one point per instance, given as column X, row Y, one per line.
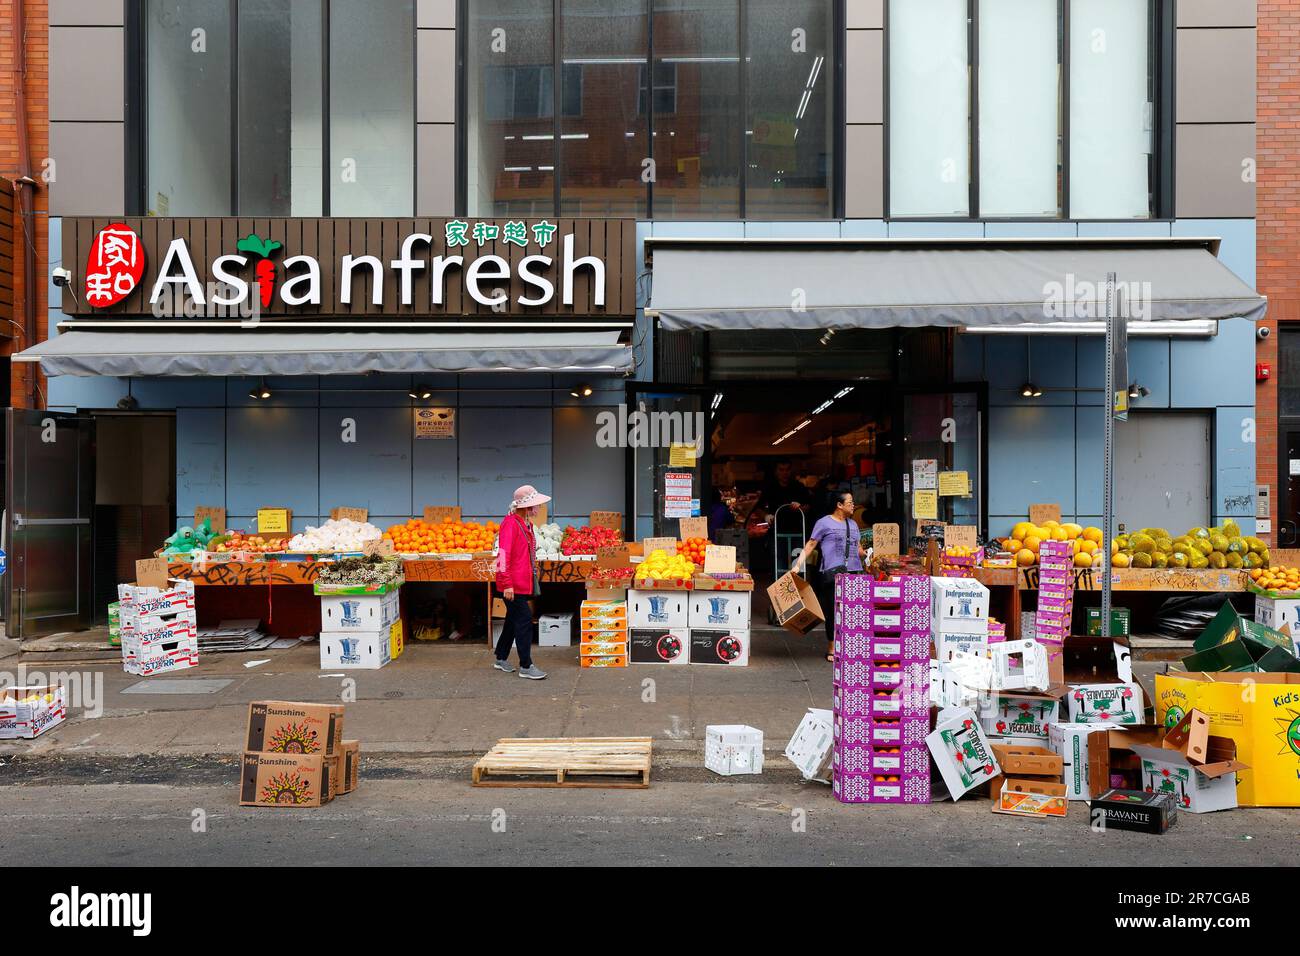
column 325, row 353
column 757, row 284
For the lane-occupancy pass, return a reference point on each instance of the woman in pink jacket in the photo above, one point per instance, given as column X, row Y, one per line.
column 516, row 578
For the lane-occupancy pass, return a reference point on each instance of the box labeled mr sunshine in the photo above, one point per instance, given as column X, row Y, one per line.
column 286, row 779
column 279, row 726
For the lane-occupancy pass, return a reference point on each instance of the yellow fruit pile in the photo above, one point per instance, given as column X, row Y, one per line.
column 661, row 566
column 1281, row 579
column 1220, row 547
column 1026, row 539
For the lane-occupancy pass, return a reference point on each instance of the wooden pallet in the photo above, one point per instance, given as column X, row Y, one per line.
column 565, row 762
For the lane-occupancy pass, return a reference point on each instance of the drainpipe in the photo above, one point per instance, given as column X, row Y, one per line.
column 25, row 246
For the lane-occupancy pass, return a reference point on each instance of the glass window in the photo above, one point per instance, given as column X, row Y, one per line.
column 1111, row 109
column 788, row 87
column 372, row 86
column 929, row 108
column 697, row 148
column 280, row 154
column 188, row 102
column 1019, row 108
column 604, row 131
column 510, row 167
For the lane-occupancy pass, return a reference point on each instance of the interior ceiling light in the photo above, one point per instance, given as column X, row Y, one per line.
column 1030, row 390
column 260, row 391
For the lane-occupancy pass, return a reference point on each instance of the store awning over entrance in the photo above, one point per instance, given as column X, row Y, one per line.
column 739, row 285
column 328, row 353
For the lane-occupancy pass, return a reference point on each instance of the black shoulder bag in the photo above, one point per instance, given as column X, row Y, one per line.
column 828, row 574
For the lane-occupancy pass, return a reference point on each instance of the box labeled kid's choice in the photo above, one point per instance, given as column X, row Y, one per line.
column 278, row 726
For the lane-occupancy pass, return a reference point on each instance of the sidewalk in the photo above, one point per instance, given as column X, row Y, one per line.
column 442, row 699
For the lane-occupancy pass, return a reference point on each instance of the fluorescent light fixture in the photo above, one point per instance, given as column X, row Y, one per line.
column 518, row 169
column 1190, row 328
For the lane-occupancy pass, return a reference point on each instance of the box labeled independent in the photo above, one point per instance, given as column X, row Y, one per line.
column 292, row 727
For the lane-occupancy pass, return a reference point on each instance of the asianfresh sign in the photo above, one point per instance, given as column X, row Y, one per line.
column 452, row 271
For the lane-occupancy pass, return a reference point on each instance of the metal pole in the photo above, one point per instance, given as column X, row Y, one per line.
column 1108, row 489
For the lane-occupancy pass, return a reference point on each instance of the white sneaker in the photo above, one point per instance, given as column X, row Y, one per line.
column 532, row 672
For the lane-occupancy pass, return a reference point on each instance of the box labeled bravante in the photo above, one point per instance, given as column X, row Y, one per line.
column 278, row 726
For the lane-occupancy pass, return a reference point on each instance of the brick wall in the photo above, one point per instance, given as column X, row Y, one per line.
column 35, row 234
column 1278, row 200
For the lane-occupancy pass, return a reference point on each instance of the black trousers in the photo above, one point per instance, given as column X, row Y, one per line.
column 826, row 598
column 517, row 627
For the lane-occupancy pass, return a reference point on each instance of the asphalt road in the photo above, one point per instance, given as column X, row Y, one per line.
column 81, row 812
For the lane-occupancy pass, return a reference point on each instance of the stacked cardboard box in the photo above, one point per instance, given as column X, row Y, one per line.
column 881, row 706
column 959, row 616
column 295, row 755
column 603, row 633
column 1055, row 592
column 158, row 628
column 360, row 630
column 1032, row 783
column 719, row 625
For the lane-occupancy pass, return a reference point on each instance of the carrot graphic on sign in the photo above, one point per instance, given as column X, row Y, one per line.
column 261, row 249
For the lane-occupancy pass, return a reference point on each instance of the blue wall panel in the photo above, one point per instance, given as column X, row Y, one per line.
column 434, row 471
column 1215, row 371
column 200, row 459
column 1148, row 362
column 501, row 449
column 272, row 460
column 372, row 472
column 587, row 477
column 1089, row 459
column 1031, row 458
column 1234, row 456
column 1008, row 365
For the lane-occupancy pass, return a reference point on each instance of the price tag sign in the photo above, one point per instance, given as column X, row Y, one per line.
column 884, row 538
column 693, row 527
column 960, row 535
column 216, row 515
column 954, row 484
column 719, row 559
column 438, row 514
column 359, row 515
column 1038, row 514
column 925, row 504
column 273, row 520
column 613, row 557
column 382, row 547
column 651, row 545
column 151, row 573
column 607, row 519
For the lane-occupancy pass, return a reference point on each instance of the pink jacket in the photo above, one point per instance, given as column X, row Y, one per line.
column 518, row 549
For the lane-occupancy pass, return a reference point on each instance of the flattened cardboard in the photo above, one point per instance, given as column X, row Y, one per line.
column 359, row 515
column 719, row 559
column 693, row 528
column 961, row 536
column 884, row 539
column 606, row 519
column 151, row 573
column 211, row 513
column 613, row 557
column 666, row 545
column 440, row 514
column 1041, row 514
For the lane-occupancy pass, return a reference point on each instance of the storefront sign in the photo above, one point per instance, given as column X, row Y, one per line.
column 435, row 423
column 332, row 269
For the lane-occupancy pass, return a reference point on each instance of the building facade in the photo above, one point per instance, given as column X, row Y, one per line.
column 810, row 126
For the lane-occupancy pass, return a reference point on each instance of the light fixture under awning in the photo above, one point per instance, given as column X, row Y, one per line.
column 325, row 353
column 740, row 285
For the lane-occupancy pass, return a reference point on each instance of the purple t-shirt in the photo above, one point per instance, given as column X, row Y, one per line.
column 833, row 539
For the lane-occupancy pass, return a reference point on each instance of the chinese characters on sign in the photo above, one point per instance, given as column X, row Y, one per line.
column 435, row 423
column 114, row 266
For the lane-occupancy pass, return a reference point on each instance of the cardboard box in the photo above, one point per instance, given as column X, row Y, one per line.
column 555, row 630
column 961, row 751
column 795, row 604
column 948, row 644
column 1018, row 714
column 598, row 613
column 291, row 727
column 1120, row 619
column 603, row 660
column 1071, row 743
column 359, row 613
column 658, row 645
column 719, row 609
column 810, row 747
column 1099, row 676
column 1228, row 627
column 1028, row 797
column 959, row 605
column 731, row 749
column 28, row 712
column 1134, row 810
column 657, row 609
column 1021, row 761
column 285, row 779
column 1197, row 768
column 726, row 646
column 361, row 651
column 350, row 766
column 1277, row 613
column 1019, row 665
column 1263, row 720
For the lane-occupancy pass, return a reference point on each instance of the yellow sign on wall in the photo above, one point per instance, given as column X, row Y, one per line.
column 925, row 504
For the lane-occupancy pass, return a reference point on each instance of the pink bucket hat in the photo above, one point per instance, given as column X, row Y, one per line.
column 526, row 496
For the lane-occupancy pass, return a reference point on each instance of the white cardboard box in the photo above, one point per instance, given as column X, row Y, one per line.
column 1168, row 771
column 811, row 746
column 1278, row 612
column 1106, row 703
column 731, row 749
column 949, row 643
column 1018, row 714
column 961, row 751
column 369, row 650
column 720, row 646
column 658, row 608
column 1019, row 665
column 959, row 605
column 1070, row 741
column 719, row 609
column 21, row 719
column 358, row 612
column 555, row 630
